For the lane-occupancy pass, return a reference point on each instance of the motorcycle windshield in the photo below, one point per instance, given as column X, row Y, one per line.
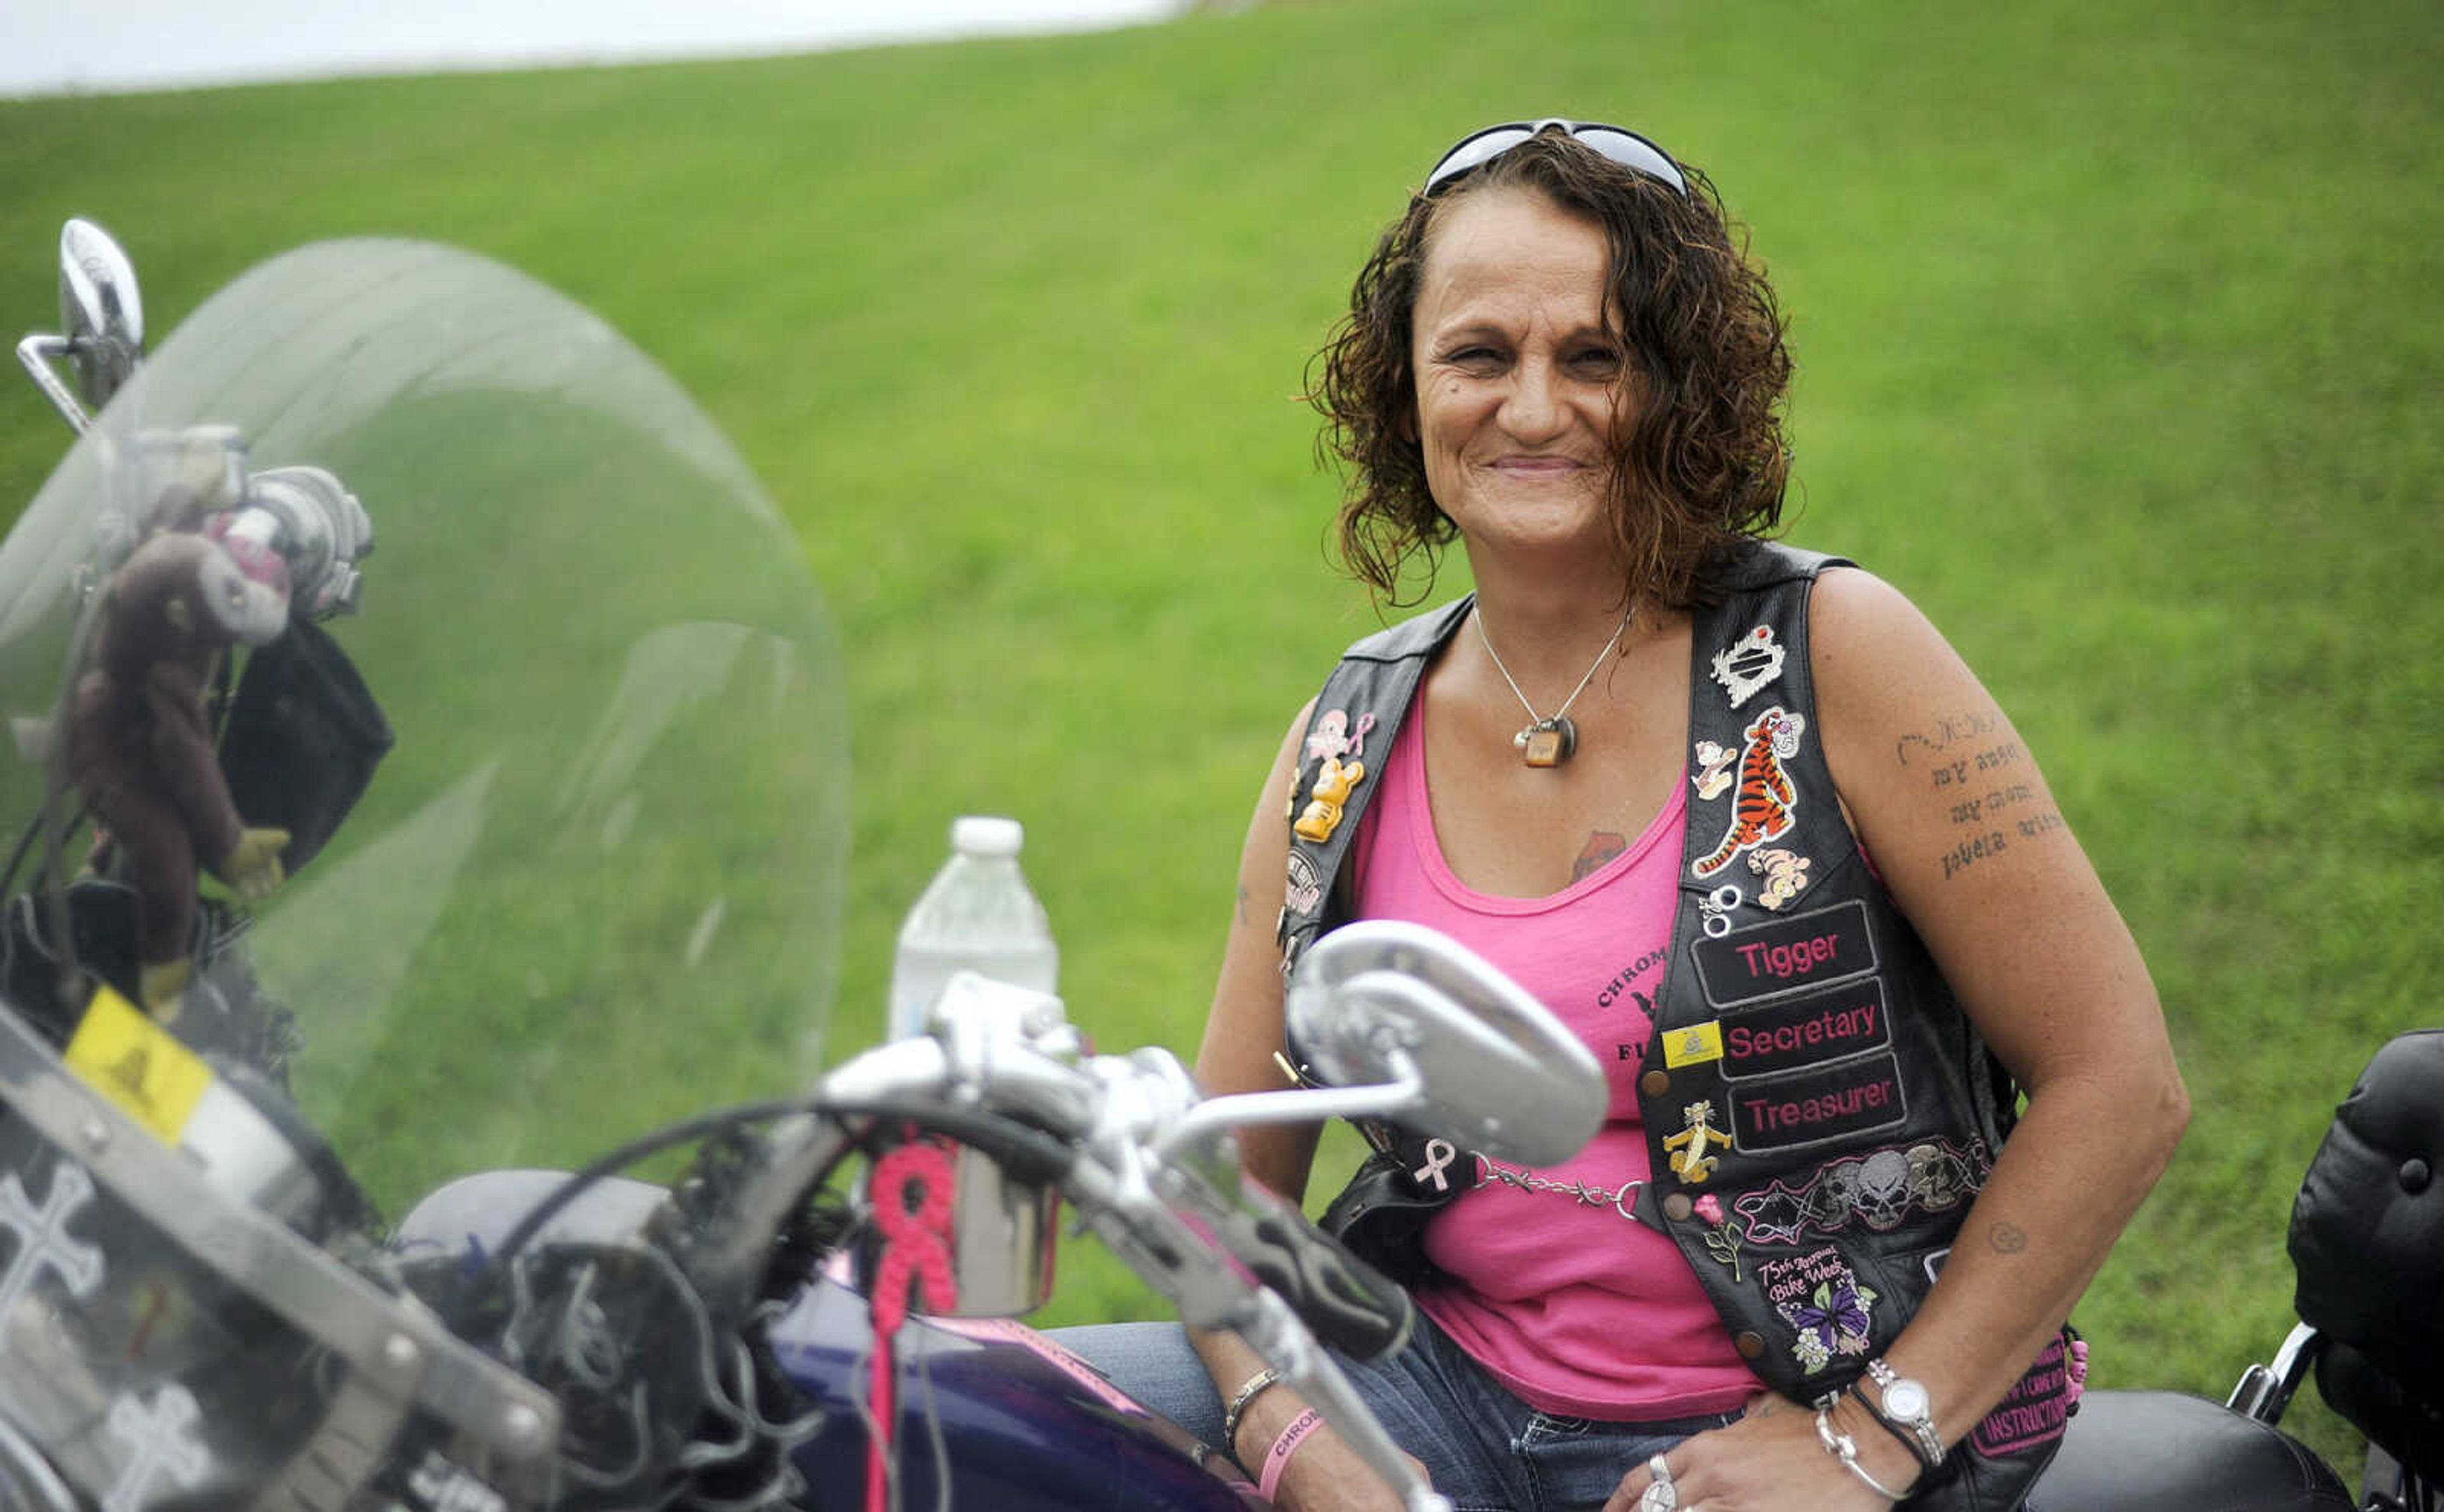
column 416, row 705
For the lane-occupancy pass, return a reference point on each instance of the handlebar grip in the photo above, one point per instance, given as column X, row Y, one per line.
column 1348, row 1305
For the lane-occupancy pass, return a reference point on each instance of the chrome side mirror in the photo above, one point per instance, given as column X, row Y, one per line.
column 101, row 313
column 102, row 324
column 1384, row 1000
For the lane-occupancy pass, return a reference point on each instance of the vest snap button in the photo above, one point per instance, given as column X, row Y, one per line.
column 1654, row 1083
column 1751, row 1346
column 1677, row 1207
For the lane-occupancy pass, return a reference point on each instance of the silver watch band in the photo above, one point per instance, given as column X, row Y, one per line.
column 1914, row 1415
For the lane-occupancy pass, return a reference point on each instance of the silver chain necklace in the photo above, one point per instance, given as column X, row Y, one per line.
column 1550, row 742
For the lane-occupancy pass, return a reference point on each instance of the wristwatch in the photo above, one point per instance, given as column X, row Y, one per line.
column 1904, row 1404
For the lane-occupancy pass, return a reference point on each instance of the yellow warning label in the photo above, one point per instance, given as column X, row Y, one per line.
column 139, row 1065
column 1696, row 1043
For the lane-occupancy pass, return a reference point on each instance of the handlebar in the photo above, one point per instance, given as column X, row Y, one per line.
column 1156, row 1175
column 1010, row 1052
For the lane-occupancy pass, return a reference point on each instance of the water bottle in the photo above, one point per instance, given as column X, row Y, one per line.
column 977, row 914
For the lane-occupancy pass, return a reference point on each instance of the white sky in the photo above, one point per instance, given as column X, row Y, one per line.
column 55, row 47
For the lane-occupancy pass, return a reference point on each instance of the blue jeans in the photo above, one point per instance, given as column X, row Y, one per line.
column 1484, row 1448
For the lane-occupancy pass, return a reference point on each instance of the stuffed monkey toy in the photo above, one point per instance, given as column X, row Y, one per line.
column 142, row 739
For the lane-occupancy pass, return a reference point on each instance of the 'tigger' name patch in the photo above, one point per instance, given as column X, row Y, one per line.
column 1786, row 955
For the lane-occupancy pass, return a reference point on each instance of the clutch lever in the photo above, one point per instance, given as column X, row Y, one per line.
column 1161, row 1188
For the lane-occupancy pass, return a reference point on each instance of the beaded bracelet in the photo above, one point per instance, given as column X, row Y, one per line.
column 1846, row 1449
column 1277, row 1459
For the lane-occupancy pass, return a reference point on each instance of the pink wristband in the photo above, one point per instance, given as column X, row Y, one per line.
column 1278, row 1457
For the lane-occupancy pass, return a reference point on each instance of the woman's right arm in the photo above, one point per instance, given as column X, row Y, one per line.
column 1242, row 1035
column 1244, row 1030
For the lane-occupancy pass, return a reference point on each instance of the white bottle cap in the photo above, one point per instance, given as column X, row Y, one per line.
column 983, row 835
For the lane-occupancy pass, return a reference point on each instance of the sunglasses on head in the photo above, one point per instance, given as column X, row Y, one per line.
column 1627, row 148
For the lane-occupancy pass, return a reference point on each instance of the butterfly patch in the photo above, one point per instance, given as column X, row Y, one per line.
column 1822, row 1300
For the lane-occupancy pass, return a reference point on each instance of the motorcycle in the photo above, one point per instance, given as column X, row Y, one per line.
column 385, row 814
column 593, row 798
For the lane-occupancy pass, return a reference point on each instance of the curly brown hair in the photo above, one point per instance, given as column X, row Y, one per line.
column 1706, row 463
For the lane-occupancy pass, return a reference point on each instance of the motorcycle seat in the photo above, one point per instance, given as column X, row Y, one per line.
column 2367, row 1240
column 2146, row 1452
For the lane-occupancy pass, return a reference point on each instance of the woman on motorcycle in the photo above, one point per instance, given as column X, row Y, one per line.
column 1743, row 819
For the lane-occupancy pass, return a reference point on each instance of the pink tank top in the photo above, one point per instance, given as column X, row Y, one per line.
column 1546, row 1281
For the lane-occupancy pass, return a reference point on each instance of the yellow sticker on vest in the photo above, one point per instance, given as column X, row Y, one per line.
column 139, row 1065
column 1693, row 1046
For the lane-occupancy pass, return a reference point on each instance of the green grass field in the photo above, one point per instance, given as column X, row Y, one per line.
column 2119, row 333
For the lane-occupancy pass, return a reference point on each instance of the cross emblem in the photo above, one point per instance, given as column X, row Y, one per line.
column 42, row 1237
column 163, row 1438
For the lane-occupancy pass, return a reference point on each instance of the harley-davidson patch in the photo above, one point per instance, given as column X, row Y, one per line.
column 1748, row 664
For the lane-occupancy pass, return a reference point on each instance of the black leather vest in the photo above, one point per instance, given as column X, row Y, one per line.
column 1819, row 1110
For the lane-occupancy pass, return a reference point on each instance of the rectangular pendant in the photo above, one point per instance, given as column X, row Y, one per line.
column 1548, row 743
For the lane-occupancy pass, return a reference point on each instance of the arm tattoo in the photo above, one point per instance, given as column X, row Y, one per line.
column 1949, row 730
column 2007, row 1239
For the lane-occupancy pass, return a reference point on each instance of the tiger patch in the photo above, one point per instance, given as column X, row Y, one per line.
column 1762, row 803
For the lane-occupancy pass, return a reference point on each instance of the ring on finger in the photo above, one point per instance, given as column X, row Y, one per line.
column 1660, row 1495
